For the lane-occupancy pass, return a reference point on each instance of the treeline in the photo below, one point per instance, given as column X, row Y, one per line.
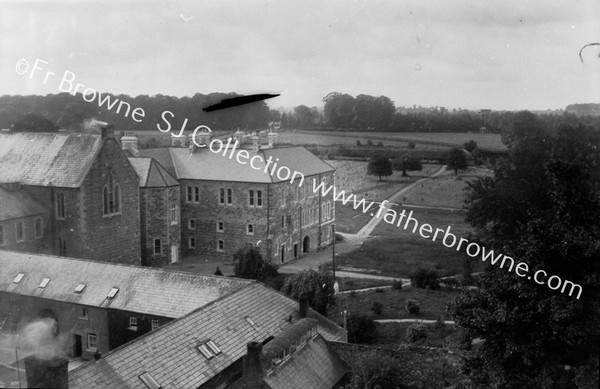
column 364, row 112
column 54, row 111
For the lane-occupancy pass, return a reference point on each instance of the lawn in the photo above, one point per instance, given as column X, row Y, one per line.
column 395, row 257
column 433, row 303
column 348, row 219
column 347, row 283
column 446, row 191
column 395, row 333
column 435, row 218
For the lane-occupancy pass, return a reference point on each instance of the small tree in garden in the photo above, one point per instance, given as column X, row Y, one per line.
column 379, row 166
column 407, row 163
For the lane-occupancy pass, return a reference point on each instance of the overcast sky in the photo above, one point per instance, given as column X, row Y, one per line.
column 508, row 54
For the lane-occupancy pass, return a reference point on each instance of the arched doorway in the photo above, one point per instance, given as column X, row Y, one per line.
column 306, row 244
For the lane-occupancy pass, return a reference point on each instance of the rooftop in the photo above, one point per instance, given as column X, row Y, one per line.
column 47, row 159
column 16, row 204
column 172, row 354
column 203, row 164
column 152, row 174
column 134, row 288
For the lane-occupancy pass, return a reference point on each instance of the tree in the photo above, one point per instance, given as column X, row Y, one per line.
column 304, row 115
column 407, row 163
column 361, row 329
column 339, row 109
column 375, row 369
column 550, row 220
column 34, row 123
column 315, row 285
column 379, row 166
column 456, row 159
column 470, row 146
column 250, row 264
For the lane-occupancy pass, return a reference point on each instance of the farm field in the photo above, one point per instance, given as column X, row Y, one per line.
column 301, row 137
column 395, row 333
column 486, row 141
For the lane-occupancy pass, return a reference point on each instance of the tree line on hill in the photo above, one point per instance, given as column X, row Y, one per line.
column 51, row 112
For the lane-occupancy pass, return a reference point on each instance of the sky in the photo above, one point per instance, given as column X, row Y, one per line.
column 501, row 55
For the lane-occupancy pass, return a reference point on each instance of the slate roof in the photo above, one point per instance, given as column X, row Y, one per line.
column 152, row 174
column 17, row 204
column 47, row 159
column 314, row 365
column 203, row 164
column 141, row 289
column 170, row 355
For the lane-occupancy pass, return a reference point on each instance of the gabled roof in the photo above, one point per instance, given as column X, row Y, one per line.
column 152, row 174
column 314, row 366
column 17, row 204
column 203, row 164
column 47, row 159
column 170, row 353
column 140, row 289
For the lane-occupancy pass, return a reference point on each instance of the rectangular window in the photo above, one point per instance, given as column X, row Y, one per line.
column 221, row 196
column 229, row 196
column 39, row 227
column 192, row 224
column 79, row 288
column 132, row 321
column 189, row 194
column 155, row 324
column 44, row 283
column 113, row 292
column 283, row 196
column 220, row 226
column 84, row 313
column 213, row 347
column 251, row 198
column 250, row 229
column 60, row 205
column 173, row 214
column 18, row 278
column 149, row 381
column 157, row 247
column 20, row 234
column 1, row 235
column 220, row 245
column 92, row 341
column 259, row 198
column 192, row 243
column 205, row 351
column 282, row 221
column 196, row 194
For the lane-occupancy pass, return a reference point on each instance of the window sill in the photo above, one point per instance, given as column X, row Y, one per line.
column 91, row 350
column 133, row 328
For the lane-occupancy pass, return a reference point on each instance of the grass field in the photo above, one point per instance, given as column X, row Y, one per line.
column 395, row 333
column 433, row 303
column 395, row 257
column 486, row 141
column 347, row 283
column 433, row 217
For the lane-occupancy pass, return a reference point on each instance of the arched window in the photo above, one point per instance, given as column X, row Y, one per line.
column 229, row 196
column 111, row 197
column 221, row 196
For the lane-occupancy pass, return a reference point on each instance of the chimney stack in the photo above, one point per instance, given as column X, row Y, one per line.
column 303, row 306
column 130, row 142
column 252, row 370
column 47, row 373
column 108, row 131
column 255, row 143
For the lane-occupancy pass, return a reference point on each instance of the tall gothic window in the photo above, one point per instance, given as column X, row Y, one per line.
column 111, row 197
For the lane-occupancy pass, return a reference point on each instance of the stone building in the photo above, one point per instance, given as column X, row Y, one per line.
column 249, row 193
column 81, row 186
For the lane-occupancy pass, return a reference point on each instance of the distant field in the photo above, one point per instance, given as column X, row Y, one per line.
column 441, row 139
column 298, row 137
column 435, row 218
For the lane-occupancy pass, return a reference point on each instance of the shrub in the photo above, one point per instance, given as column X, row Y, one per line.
column 412, row 307
column 361, row 329
column 379, row 290
column 470, row 146
column 377, row 308
column 424, row 278
column 358, row 143
column 353, row 294
column 250, row 264
column 369, row 142
column 218, row 272
column 397, row 285
column 411, row 145
column 380, row 144
column 439, row 323
column 416, row 332
column 451, row 282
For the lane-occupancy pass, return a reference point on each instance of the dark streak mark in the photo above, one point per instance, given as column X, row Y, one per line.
column 235, row 101
column 589, row 44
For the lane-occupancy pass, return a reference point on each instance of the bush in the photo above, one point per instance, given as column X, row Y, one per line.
column 250, row 264
column 412, row 307
column 353, row 294
column 379, row 290
column 424, row 278
column 416, row 332
column 380, row 144
column 411, row 145
column 377, row 308
column 361, row 329
column 218, row 272
column 369, row 142
column 470, row 146
column 439, row 323
column 358, row 143
column 397, row 285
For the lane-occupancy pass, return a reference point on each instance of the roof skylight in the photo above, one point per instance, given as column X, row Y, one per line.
column 79, row 288
column 113, row 292
column 44, row 283
column 18, row 278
